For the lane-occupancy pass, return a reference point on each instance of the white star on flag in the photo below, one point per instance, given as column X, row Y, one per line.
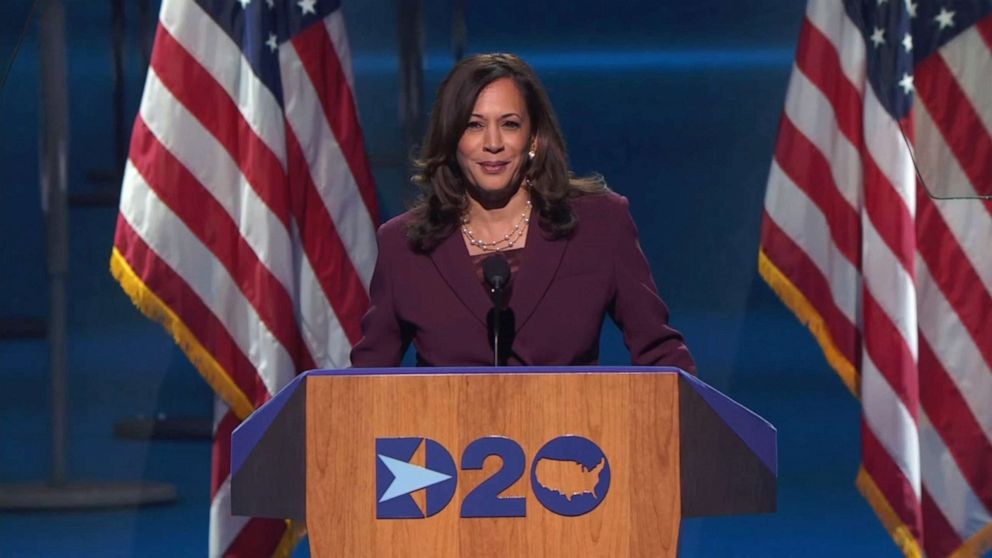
column 906, row 83
column 907, row 42
column 307, row 6
column 244, row 3
column 945, row 18
column 878, row 37
column 271, row 43
column 911, row 8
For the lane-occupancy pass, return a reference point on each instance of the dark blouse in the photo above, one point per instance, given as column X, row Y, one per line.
column 513, row 258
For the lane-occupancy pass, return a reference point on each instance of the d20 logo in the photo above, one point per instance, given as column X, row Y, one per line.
column 396, row 478
column 570, row 475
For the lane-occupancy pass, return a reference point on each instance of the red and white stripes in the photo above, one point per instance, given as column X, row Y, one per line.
column 247, row 227
column 896, row 286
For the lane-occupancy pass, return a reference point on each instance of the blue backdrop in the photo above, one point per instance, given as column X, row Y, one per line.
column 676, row 103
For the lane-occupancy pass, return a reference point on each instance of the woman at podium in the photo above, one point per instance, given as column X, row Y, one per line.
column 497, row 194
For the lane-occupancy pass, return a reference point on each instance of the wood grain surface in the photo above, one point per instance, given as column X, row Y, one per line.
column 633, row 418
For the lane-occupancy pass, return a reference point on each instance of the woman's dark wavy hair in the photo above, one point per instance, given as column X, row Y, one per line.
column 443, row 198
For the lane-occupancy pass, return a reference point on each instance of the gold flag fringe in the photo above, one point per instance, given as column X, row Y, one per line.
column 901, row 534
column 157, row 310
column 801, row 307
column 974, row 547
column 295, row 531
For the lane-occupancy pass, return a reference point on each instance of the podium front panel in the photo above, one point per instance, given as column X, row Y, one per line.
column 372, row 440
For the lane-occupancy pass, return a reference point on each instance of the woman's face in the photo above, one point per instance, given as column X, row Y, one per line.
column 494, row 146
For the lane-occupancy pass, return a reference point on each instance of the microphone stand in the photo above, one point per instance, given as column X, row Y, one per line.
column 496, row 292
column 496, row 272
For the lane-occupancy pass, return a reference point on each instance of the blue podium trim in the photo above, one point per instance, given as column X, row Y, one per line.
column 756, row 432
column 247, row 435
column 424, row 371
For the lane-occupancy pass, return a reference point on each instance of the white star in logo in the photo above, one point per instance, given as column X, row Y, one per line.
column 945, row 18
column 271, row 43
column 906, row 83
column 307, row 6
column 911, row 8
column 878, row 37
column 907, row 42
column 244, row 3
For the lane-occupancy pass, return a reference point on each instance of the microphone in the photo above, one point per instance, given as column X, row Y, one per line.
column 496, row 272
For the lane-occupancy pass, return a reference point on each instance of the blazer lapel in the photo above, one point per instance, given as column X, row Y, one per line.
column 540, row 262
column 453, row 263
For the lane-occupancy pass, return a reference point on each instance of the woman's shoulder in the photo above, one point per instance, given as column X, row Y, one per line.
column 605, row 206
column 393, row 234
column 598, row 201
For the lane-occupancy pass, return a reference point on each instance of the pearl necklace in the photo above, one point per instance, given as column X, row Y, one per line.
column 508, row 240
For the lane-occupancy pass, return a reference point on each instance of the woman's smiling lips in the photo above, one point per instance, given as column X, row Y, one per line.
column 493, row 167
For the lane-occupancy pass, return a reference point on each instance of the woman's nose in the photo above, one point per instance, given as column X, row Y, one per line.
column 493, row 140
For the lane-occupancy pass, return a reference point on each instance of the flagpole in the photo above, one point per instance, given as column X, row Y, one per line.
column 410, row 20
column 58, row 492
column 54, row 182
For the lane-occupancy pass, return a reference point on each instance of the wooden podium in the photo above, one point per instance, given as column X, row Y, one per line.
column 480, row 462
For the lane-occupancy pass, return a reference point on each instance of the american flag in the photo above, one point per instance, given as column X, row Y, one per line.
column 248, row 211
column 896, row 286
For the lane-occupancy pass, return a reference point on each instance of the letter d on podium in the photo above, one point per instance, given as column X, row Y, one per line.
column 396, row 478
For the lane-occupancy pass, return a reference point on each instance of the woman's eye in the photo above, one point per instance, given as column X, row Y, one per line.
column 474, row 125
column 511, row 124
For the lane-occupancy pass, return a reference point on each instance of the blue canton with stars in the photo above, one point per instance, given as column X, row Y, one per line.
column 901, row 33
column 260, row 26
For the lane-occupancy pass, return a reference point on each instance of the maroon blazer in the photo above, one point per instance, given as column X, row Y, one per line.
column 560, row 295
